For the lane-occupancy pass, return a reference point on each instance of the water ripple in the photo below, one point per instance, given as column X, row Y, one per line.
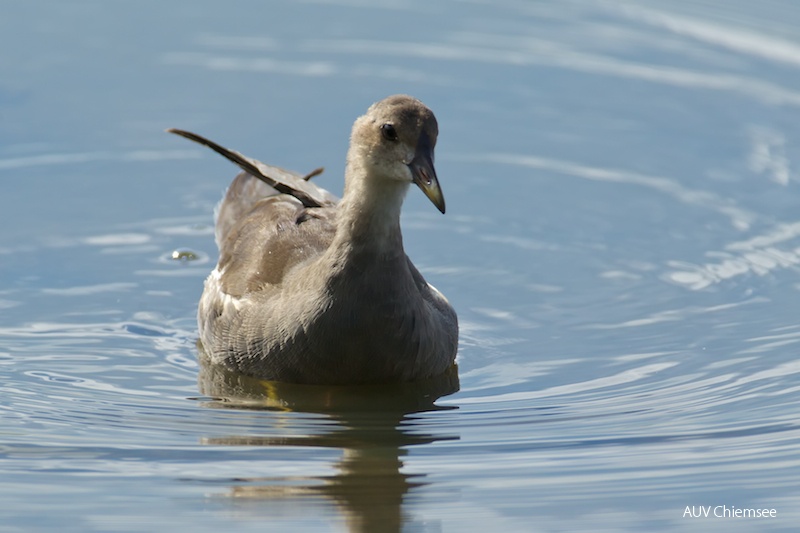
column 86, row 157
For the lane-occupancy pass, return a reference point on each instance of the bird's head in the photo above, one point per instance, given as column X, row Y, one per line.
column 395, row 140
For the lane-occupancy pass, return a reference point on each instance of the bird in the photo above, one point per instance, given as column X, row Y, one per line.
column 310, row 289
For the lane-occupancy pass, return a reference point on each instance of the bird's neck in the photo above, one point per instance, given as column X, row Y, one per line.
column 369, row 214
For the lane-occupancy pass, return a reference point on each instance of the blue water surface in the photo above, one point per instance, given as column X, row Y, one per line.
column 622, row 245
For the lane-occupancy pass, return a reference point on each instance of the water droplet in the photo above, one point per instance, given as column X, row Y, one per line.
column 183, row 254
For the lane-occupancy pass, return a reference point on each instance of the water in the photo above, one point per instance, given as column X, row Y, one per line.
column 622, row 245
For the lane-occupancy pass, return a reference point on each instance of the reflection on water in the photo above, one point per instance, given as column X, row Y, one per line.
column 775, row 249
column 373, row 426
column 237, row 390
column 82, row 158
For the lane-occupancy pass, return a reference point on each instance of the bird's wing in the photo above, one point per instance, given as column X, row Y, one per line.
column 270, row 221
column 283, row 181
column 277, row 234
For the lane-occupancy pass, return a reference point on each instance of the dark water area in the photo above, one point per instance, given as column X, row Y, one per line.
column 622, row 243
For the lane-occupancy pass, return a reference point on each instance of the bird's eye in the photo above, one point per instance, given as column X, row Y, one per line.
column 389, row 133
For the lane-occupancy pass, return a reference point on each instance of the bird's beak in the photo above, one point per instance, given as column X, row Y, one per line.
column 424, row 174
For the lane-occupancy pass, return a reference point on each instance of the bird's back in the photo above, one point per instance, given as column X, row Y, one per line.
column 262, row 235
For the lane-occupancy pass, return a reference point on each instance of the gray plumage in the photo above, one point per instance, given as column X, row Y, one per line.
column 309, row 289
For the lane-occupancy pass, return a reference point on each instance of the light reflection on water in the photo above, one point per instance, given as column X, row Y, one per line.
column 372, row 427
column 621, row 247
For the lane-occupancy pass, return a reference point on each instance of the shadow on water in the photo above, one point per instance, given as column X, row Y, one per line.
column 373, row 427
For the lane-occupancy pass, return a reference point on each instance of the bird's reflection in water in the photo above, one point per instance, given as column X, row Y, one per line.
column 373, row 426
